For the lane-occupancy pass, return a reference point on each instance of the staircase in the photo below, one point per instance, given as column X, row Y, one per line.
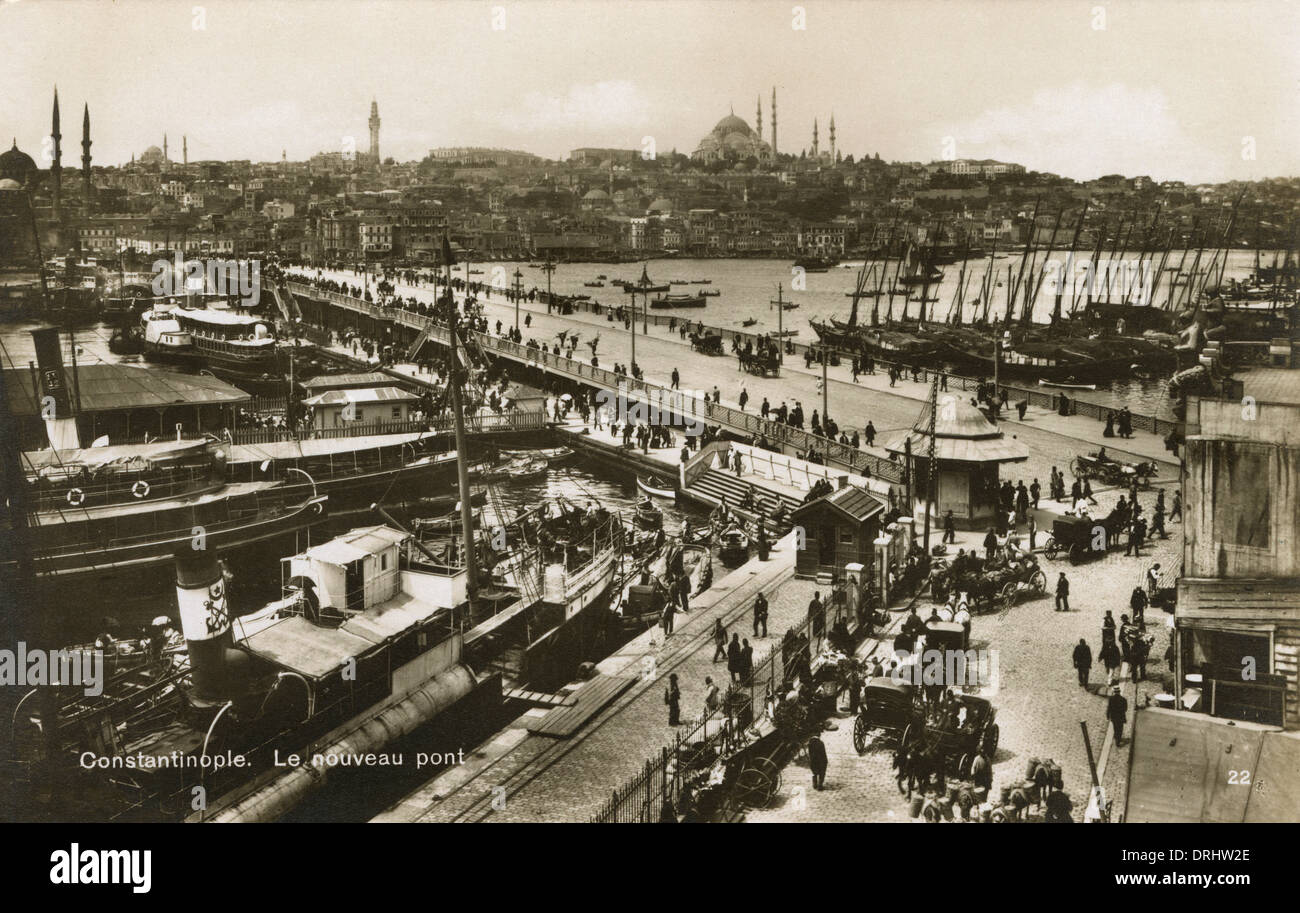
column 715, row 484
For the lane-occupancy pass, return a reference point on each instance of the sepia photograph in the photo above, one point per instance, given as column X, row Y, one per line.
column 703, row 411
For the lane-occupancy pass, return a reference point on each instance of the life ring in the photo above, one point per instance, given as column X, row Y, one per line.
column 76, row 497
column 140, row 489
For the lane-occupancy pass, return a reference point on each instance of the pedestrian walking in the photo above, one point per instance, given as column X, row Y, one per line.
column 760, row 615
column 870, row 434
column 743, row 399
column 673, row 698
column 746, row 660
column 817, row 612
column 1033, row 532
column 676, row 379
column 1117, row 713
column 1062, row 593
column 733, row 658
column 991, row 544
column 719, row 640
column 1082, row 661
column 949, row 528
column 1176, row 511
column 1153, row 582
column 817, row 761
column 712, row 699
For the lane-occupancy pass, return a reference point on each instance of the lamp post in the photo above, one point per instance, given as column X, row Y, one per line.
column 645, row 287
column 548, row 267
column 519, row 293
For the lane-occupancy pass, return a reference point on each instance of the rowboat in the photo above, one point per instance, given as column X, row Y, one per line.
column 1048, row 383
column 733, row 545
column 657, row 487
column 549, row 454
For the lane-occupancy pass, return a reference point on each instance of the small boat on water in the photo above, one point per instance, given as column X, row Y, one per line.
column 549, row 454
column 447, row 523
column 701, row 282
column 648, row 516
column 656, row 487
column 750, row 322
column 677, row 301
column 1048, row 383
column 711, row 292
column 594, row 284
column 518, row 468
column 602, row 276
column 678, row 282
column 438, row 505
column 789, row 306
column 643, row 600
column 733, row 545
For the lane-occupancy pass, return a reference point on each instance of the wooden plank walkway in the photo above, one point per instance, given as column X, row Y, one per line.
column 540, row 698
column 593, row 696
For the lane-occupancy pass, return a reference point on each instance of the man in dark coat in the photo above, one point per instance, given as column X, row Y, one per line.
column 1062, row 593
column 817, row 762
column 990, row 544
column 1117, row 713
column 734, row 658
column 760, row 614
column 1082, row 661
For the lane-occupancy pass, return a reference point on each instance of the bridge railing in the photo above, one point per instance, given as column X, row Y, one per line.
column 776, row 433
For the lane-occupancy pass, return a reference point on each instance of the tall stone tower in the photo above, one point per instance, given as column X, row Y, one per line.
column 814, row 149
column 56, row 168
column 758, row 117
column 374, row 130
column 166, row 162
column 85, row 161
column 185, row 149
column 832, row 136
column 774, row 123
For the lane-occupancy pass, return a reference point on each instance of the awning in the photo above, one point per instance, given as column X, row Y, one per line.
column 1180, row 770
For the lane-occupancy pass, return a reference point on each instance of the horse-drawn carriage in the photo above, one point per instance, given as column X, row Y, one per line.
column 762, row 363
column 990, row 586
column 1083, row 538
column 708, row 343
column 889, row 706
column 1099, row 465
column 956, row 735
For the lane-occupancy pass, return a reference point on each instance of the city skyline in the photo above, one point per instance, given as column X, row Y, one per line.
column 903, row 83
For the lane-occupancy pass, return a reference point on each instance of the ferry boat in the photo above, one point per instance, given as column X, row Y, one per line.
column 230, row 342
column 124, row 511
column 162, row 338
column 815, row 264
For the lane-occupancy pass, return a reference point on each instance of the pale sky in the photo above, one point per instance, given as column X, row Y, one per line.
column 1176, row 89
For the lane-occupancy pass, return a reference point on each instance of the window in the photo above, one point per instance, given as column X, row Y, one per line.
column 846, row 537
column 397, row 413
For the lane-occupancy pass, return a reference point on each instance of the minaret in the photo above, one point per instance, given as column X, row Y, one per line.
column 85, row 161
column 814, row 149
column 166, row 162
column 56, row 169
column 185, row 150
column 374, row 130
column 774, row 123
column 832, row 137
column 758, row 117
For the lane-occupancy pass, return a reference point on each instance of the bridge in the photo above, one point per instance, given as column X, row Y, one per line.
column 421, row 328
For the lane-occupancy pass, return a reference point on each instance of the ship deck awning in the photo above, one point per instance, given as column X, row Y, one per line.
column 388, row 619
column 124, row 454
column 115, row 388
column 297, row 645
column 1180, row 763
column 318, row 447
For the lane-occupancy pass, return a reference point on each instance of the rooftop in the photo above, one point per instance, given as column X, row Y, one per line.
column 111, row 388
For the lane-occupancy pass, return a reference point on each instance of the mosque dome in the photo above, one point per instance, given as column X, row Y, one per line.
column 595, row 194
column 662, row 204
column 17, row 165
column 732, row 124
column 9, row 184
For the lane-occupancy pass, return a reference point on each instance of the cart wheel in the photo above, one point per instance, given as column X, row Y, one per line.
column 907, row 736
column 991, row 741
column 1077, row 554
column 1008, row 595
column 964, row 766
column 757, row 783
column 1039, row 582
column 860, row 732
column 1051, row 547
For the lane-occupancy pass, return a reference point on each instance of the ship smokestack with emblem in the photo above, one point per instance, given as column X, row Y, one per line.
column 56, row 407
column 205, row 622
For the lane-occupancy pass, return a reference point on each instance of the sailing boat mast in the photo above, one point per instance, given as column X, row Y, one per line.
column 456, row 376
column 1067, row 274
